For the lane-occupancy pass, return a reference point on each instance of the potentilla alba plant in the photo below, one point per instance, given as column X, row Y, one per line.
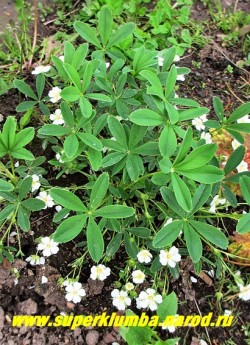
column 148, row 299
column 144, row 256
column 170, row 257
column 46, row 198
column 120, row 299
column 99, row 272
column 48, row 246
column 74, row 292
column 138, row 276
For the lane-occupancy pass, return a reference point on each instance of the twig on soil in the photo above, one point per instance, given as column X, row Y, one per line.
column 66, row 14
column 197, row 306
column 235, row 5
column 231, row 91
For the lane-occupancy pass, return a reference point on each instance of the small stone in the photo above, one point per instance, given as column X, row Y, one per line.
column 109, row 338
column 1, row 318
column 27, row 307
column 92, row 338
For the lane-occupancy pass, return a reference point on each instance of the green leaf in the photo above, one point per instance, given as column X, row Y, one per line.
column 229, row 195
column 167, row 141
column 140, row 232
column 5, row 186
column 193, row 242
column 182, row 193
column 169, row 306
column 185, row 146
column 71, row 145
column 130, row 245
column 55, row 130
column 73, row 75
column 33, row 204
column 112, row 159
column 95, row 158
column 69, row 228
column 25, row 106
column 148, row 149
column 87, row 33
column 168, row 234
column 90, row 140
column 86, row 107
column 171, row 80
column 99, row 191
column 67, row 114
column 173, row 113
column 25, row 187
column 40, row 82
column 234, row 160
column 114, row 211
column 245, row 188
column 105, row 23
column 197, row 158
column 70, row 94
column 156, row 88
column 136, row 135
column 8, row 132
column 146, row 117
column 6, row 212
column 241, row 111
column 24, row 88
column 239, row 127
column 243, row 225
column 114, row 245
column 23, row 219
column 23, row 137
column 94, row 240
column 133, row 166
column 210, row 233
column 22, row 154
column 67, row 199
column 201, row 195
column 170, row 200
column 121, row 34
column 88, row 72
column 117, row 131
column 209, row 174
column 218, row 108
column 99, row 97
column 191, row 114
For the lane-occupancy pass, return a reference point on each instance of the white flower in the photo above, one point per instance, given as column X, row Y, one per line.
column 16, row 165
column 35, row 183
column 75, row 292
column 144, row 256
column 170, row 257
column 244, row 119
column 243, row 166
column 211, row 273
column 148, row 299
column 235, row 144
column 99, row 272
column 41, row 69
column 44, row 280
column 244, row 292
column 203, row 342
column 120, row 299
column 61, row 57
column 227, row 312
column 171, row 329
column 35, row 260
column 169, row 221
column 107, row 64
column 193, row 280
column 176, row 58
column 129, row 286
column 55, row 94
column 207, row 137
column 48, row 246
column 57, row 117
column 160, row 60
column 198, row 122
column 46, row 198
column 59, row 208
column 215, row 202
column 138, row 277
column 180, row 77
column 59, row 158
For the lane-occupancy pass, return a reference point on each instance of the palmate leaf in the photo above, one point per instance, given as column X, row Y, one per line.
column 182, row 193
column 146, row 117
column 87, row 33
column 193, row 242
column 114, row 211
column 168, row 234
column 245, row 188
column 99, row 190
column 5, row 186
